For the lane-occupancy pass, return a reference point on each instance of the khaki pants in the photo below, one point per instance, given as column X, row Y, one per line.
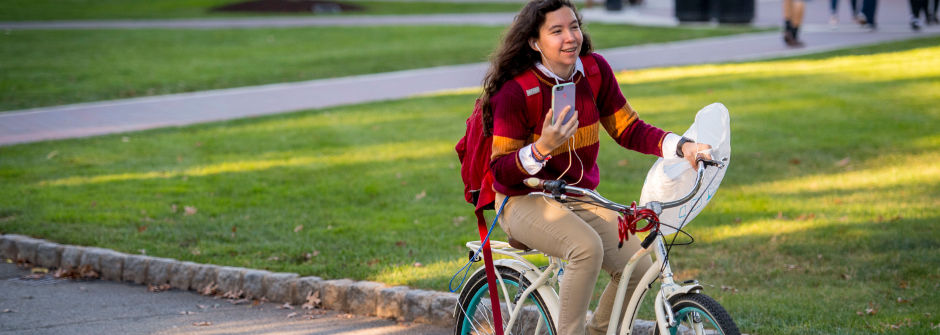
column 586, row 236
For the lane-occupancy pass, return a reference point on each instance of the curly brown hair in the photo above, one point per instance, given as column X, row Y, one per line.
column 514, row 55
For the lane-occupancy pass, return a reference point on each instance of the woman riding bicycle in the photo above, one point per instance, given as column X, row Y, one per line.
column 546, row 38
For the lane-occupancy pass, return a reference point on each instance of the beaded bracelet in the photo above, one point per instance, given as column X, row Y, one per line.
column 538, row 156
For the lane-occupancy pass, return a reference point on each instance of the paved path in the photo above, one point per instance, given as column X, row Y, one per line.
column 50, row 306
column 96, row 118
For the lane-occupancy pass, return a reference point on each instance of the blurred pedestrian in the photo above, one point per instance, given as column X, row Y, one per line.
column 792, row 19
column 918, row 6
column 868, row 10
column 834, row 6
column 932, row 11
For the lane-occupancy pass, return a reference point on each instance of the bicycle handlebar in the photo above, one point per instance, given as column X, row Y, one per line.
column 559, row 190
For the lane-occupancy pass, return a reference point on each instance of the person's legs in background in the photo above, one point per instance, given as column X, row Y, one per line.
column 793, row 18
column 868, row 9
column 932, row 11
column 917, row 6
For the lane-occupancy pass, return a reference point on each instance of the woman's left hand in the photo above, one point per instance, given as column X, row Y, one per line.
column 692, row 151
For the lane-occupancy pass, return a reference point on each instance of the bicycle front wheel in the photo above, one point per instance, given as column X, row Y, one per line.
column 475, row 312
column 699, row 314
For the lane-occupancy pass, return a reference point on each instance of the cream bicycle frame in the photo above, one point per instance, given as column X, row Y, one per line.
column 544, row 280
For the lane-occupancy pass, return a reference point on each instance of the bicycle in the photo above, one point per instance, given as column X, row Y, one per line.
column 528, row 295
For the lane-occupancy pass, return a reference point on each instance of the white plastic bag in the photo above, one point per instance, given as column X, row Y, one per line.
column 670, row 179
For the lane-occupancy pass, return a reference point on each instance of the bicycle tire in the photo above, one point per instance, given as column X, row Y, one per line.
column 713, row 316
column 474, row 300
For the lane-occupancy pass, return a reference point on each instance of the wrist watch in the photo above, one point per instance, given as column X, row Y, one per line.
column 679, row 146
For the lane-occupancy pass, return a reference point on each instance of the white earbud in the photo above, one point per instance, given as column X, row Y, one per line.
column 537, row 47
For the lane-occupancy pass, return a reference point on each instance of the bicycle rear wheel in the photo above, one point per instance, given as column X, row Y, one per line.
column 475, row 312
column 700, row 314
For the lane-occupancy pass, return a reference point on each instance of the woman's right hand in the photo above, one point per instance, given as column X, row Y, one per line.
column 554, row 135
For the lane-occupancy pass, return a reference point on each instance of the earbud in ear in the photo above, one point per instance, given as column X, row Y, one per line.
column 537, row 47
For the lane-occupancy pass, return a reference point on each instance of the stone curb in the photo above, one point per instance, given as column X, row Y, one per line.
column 400, row 303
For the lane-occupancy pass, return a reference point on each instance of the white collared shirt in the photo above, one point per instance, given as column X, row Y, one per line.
column 578, row 67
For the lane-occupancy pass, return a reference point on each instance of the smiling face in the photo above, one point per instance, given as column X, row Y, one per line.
column 560, row 41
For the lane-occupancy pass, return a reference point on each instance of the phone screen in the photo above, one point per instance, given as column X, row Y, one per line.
column 562, row 96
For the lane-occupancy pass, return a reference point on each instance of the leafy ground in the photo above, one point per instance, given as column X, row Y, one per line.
column 825, row 223
column 38, row 10
column 52, row 67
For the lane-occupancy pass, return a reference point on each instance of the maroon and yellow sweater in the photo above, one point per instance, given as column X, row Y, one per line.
column 514, row 127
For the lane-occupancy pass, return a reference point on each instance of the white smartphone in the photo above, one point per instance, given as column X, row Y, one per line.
column 562, row 96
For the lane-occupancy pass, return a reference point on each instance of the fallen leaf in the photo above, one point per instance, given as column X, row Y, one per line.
column 871, row 310
column 202, row 306
column 87, row 272
column 837, row 201
column 623, row 162
column 52, row 154
column 202, row 323
column 373, row 262
column 158, row 288
column 8, row 310
column 125, row 139
column 141, row 228
column 196, row 252
column 298, row 228
column 274, row 258
column 418, row 265
column 233, row 294
column 345, row 316
column 400, row 243
column 843, row 162
column 255, row 302
column 846, row 276
column 286, row 305
column 903, row 301
column 313, row 300
column 795, row 161
column 903, row 284
column 421, row 195
column 39, row 270
column 791, row 267
column 291, row 315
column 189, row 210
column 210, row 289
column 238, row 302
column 187, row 313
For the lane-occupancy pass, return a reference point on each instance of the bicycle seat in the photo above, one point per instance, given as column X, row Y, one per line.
column 518, row 245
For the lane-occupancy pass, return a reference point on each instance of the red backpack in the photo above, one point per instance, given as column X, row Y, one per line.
column 474, row 149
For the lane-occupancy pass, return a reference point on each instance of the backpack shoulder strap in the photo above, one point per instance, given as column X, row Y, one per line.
column 533, row 92
column 593, row 73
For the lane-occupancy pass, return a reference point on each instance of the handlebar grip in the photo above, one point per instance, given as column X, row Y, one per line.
column 551, row 186
column 649, row 239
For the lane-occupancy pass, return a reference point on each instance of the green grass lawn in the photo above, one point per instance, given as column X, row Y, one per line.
column 52, row 67
column 829, row 208
column 39, row 10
